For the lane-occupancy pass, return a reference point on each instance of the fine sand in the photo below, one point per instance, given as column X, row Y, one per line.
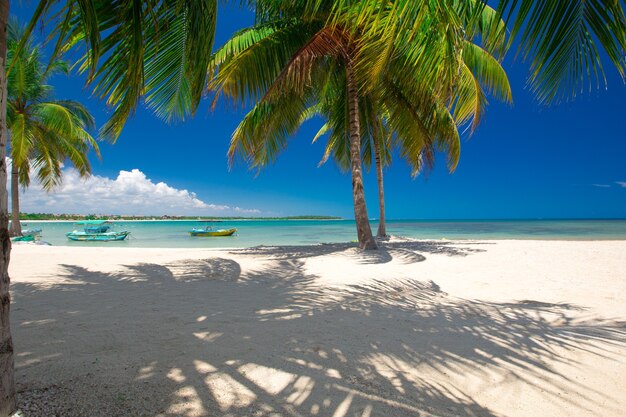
column 485, row 328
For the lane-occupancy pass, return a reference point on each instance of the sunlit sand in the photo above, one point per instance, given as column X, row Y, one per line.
column 484, row 328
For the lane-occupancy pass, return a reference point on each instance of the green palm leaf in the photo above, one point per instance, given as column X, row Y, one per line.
column 156, row 50
column 44, row 132
column 562, row 39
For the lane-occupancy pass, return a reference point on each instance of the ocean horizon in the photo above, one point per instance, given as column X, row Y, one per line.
column 274, row 232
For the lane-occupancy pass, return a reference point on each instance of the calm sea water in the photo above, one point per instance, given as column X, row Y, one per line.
column 166, row 234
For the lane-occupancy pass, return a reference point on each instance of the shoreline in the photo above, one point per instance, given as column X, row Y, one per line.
column 174, row 233
column 352, row 244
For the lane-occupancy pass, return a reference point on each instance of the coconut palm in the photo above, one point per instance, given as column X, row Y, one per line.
column 7, row 369
column 309, row 62
column 283, row 63
column 44, row 132
column 410, row 95
column 433, row 40
column 377, row 137
column 411, row 128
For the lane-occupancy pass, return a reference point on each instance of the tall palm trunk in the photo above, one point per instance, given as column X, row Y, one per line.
column 7, row 380
column 364, row 232
column 382, row 227
column 16, row 227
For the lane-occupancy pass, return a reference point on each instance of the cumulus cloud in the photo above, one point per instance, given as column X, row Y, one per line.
column 131, row 193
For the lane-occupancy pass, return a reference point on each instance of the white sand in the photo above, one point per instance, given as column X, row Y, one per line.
column 506, row 328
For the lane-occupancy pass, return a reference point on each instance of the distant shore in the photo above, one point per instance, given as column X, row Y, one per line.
column 262, row 219
column 119, row 218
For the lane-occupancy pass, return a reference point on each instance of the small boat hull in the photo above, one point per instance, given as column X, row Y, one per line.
column 97, row 237
column 24, row 238
column 209, row 233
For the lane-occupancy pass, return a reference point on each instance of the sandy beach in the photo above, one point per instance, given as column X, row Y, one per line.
column 418, row 328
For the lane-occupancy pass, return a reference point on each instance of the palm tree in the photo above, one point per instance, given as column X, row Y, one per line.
column 44, row 132
column 282, row 61
column 7, row 369
column 432, row 38
column 410, row 129
column 377, row 138
column 263, row 133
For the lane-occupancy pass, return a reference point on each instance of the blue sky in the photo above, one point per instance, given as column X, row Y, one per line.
column 524, row 161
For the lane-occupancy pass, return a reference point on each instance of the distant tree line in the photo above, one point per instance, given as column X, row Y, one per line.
column 51, row 216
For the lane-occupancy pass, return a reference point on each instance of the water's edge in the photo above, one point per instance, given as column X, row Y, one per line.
column 174, row 234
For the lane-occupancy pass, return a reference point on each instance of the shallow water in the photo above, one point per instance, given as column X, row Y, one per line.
column 173, row 234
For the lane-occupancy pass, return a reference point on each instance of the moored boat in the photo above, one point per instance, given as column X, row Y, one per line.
column 98, row 231
column 207, row 231
column 28, row 235
column 23, row 238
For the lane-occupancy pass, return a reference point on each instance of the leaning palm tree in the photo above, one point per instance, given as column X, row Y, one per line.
column 410, row 95
column 7, row 382
column 44, row 132
column 284, row 59
column 410, row 128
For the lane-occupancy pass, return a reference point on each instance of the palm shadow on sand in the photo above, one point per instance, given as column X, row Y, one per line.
column 203, row 337
column 406, row 251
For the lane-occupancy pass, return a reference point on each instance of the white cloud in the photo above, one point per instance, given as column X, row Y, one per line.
column 131, row 193
column 621, row 184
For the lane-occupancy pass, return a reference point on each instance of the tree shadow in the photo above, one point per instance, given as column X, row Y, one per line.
column 204, row 338
column 405, row 251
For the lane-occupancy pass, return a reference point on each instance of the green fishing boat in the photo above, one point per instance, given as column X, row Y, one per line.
column 209, row 231
column 97, row 231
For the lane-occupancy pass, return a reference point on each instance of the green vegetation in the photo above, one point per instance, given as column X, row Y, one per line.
column 388, row 116
column 154, row 50
column 44, row 132
column 369, row 91
column 53, row 217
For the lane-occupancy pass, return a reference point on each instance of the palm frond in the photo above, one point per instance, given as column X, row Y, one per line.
column 563, row 38
column 297, row 73
column 48, row 169
column 22, row 138
column 481, row 74
column 264, row 131
column 321, row 132
column 151, row 49
column 252, row 61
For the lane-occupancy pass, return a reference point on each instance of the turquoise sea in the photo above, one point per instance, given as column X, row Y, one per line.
column 173, row 234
